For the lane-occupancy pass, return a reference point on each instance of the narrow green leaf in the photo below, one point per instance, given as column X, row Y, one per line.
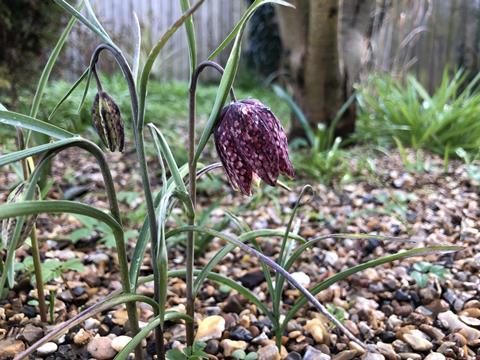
column 152, row 56
column 229, row 74
column 26, row 208
column 144, row 236
column 299, row 114
column 190, row 31
column 137, row 339
column 246, row 15
column 68, row 93
column 370, row 264
column 47, row 70
column 30, row 123
column 164, row 148
column 138, row 47
column 72, row 11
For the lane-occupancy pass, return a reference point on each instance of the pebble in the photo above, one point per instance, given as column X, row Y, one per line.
column 354, row 346
column 101, row 348
column 212, row 347
column 10, row 347
column 331, row 258
column 269, row 352
column 373, row 356
column 252, row 279
column 240, row 333
column 314, row 354
column 293, row 356
column 120, row 342
column 317, row 329
column 82, row 337
column 302, row 278
column 452, row 322
column 345, row 355
column 211, row 327
column 31, row 333
column 47, row 349
column 91, row 323
column 387, row 350
column 229, row 346
column 435, row 356
column 410, row 356
column 417, row 340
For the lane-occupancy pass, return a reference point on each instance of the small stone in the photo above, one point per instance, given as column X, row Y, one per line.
column 386, row 350
column 212, row 347
column 101, row 348
column 31, row 334
column 345, row 355
column 373, row 356
column 331, row 258
column 234, row 304
column 417, row 340
column 211, row 327
column 91, row 323
column 240, row 333
column 229, row 346
column 435, row 356
column 82, row 337
column 120, row 342
column 10, row 347
column 410, row 356
column 452, row 322
column 317, row 329
column 47, row 349
column 314, row 354
column 269, row 352
column 302, row 278
column 260, row 338
column 293, row 356
column 252, row 279
column 354, row 346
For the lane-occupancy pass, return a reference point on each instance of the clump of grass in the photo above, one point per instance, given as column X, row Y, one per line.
column 396, row 112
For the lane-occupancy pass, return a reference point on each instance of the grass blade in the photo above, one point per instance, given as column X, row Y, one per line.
column 370, row 264
column 30, row 123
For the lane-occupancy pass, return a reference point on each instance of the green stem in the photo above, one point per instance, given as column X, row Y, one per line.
column 37, row 265
column 192, row 184
column 140, row 150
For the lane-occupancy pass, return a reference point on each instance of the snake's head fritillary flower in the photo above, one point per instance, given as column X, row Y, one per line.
column 108, row 122
column 8, row 225
column 251, row 143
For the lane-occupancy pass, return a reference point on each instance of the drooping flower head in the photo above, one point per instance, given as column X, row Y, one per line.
column 108, row 122
column 251, row 143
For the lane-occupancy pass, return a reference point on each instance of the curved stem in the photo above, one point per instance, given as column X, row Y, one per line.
column 192, row 184
column 140, row 150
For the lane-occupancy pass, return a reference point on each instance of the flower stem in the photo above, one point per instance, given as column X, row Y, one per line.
column 37, row 265
column 140, row 150
column 192, row 183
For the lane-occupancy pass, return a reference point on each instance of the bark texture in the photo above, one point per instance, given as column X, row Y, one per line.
column 326, row 45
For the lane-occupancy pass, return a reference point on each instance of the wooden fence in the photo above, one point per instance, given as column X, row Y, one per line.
column 424, row 37
column 213, row 21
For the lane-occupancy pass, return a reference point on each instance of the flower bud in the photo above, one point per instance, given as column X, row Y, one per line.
column 108, row 122
column 8, row 225
column 251, row 143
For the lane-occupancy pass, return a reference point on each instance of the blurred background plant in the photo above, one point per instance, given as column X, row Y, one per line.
column 24, row 39
column 403, row 113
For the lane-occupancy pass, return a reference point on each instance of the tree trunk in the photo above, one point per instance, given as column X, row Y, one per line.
column 324, row 54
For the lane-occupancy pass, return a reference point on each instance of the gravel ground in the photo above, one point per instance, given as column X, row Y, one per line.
column 385, row 307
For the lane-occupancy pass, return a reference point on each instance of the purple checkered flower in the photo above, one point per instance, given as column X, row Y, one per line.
column 251, row 143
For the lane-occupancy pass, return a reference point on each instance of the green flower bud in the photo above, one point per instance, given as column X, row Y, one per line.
column 108, row 122
column 8, row 225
